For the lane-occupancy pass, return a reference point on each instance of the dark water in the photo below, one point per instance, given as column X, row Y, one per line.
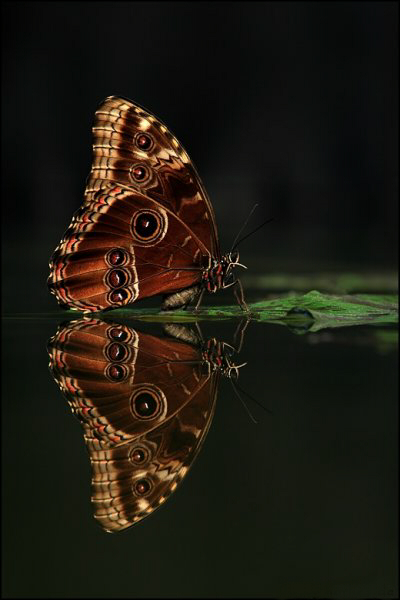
column 302, row 504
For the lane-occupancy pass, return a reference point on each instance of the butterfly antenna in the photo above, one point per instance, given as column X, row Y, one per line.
column 243, row 227
column 243, row 402
column 254, row 400
column 251, row 232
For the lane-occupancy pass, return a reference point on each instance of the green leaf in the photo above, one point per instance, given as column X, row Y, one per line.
column 322, row 310
column 311, row 312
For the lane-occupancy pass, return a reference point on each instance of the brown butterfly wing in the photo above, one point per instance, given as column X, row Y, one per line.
column 170, row 177
column 137, row 458
column 104, row 261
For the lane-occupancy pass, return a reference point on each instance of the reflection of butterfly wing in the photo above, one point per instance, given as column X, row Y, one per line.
column 145, row 407
column 146, row 223
column 132, row 480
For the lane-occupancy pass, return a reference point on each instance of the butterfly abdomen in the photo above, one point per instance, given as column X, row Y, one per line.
column 181, row 299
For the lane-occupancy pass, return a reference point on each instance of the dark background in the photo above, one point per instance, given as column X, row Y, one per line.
column 291, row 105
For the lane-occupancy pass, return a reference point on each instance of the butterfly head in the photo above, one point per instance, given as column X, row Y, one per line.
column 220, row 273
column 229, row 262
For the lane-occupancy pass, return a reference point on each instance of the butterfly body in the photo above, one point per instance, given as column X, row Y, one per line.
column 146, row 226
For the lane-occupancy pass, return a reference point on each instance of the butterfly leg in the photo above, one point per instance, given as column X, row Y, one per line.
column 239, row 295
column 201, row 294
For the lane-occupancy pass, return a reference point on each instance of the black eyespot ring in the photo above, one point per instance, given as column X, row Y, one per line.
column 118, row 334
column 148, row 402
column 116, row 352
column 116, row 257
column 117, row 278
column 142, row 487
column 143, row 141
column 149, row 226
column 116, row 373
column 139, row 174
column 118, row 296
column 139, row 455
column 146, row 225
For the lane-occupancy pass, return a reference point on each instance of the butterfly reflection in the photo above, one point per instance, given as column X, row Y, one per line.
column 145, row 404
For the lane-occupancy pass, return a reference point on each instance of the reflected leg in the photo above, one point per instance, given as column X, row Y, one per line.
column 239, row 334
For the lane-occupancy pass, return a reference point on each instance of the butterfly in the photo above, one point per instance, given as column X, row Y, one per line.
column 145, row 403
column 146, row 226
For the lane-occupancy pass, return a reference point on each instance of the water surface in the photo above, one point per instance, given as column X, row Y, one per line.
column 302, row 504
